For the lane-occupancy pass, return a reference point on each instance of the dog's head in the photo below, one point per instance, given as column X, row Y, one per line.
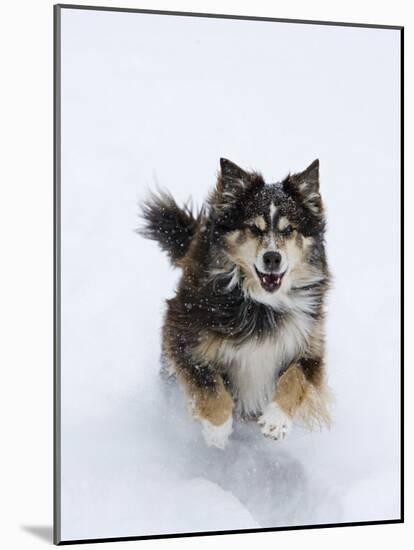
column 271, row 234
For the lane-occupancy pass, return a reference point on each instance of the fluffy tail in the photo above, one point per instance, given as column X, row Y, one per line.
column 168, row 224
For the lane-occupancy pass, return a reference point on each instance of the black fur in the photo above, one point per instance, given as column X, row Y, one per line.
column 168, row 224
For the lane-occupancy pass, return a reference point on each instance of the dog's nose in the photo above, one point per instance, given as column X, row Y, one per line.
column 271, row 260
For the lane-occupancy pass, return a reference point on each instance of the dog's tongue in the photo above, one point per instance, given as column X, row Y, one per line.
column 270, row 281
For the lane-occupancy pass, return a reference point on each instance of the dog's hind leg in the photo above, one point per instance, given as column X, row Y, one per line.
column 209, row 402
column 208, row 399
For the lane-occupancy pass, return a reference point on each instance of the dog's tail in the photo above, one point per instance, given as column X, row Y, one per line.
column 168, row 224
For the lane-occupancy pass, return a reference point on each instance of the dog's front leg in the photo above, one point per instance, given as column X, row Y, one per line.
column 300, row 392
column 209, row 402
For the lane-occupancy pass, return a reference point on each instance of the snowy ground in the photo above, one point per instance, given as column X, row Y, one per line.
column 269, row 96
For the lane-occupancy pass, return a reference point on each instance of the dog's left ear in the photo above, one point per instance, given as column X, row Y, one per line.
column 309, row 179
column 305, row 187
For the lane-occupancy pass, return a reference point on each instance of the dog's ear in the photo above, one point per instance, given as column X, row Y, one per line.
column 231, row 172
column 308, row 180
column 233, row 184
column 304, row 187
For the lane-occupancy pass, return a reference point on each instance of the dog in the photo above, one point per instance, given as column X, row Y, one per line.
column 244, row 333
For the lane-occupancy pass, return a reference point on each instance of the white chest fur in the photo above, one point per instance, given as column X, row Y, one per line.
column 253, row 367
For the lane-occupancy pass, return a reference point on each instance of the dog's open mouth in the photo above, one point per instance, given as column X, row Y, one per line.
column 269, row 281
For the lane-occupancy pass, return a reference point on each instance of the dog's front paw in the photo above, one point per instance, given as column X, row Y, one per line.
column 217, row 436
column 275, row 423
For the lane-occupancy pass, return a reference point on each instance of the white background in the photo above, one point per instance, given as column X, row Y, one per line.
column 27, row 347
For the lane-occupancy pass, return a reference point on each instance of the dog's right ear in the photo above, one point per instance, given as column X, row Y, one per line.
column 231, row 172
column 232, row 184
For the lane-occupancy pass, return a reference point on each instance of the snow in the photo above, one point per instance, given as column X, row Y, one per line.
column 148, row 98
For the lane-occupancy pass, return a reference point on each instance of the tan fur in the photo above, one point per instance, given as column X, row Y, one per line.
column 234, row 239
column 209, row 347
column 213, row 405
column 242, row 249
column 316, row 342
column 283, row 222
column 216, row 407
column 258, row 221
column 301, row 400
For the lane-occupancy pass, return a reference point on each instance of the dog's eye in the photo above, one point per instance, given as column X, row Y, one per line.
column 256, row 230
column 288, row 230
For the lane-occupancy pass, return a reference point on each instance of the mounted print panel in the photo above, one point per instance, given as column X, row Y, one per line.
column 228, row 283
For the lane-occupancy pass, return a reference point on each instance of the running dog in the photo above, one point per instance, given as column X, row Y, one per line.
column 244, row 334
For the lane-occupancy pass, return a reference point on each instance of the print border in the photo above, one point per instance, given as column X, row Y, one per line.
column 57, row 271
